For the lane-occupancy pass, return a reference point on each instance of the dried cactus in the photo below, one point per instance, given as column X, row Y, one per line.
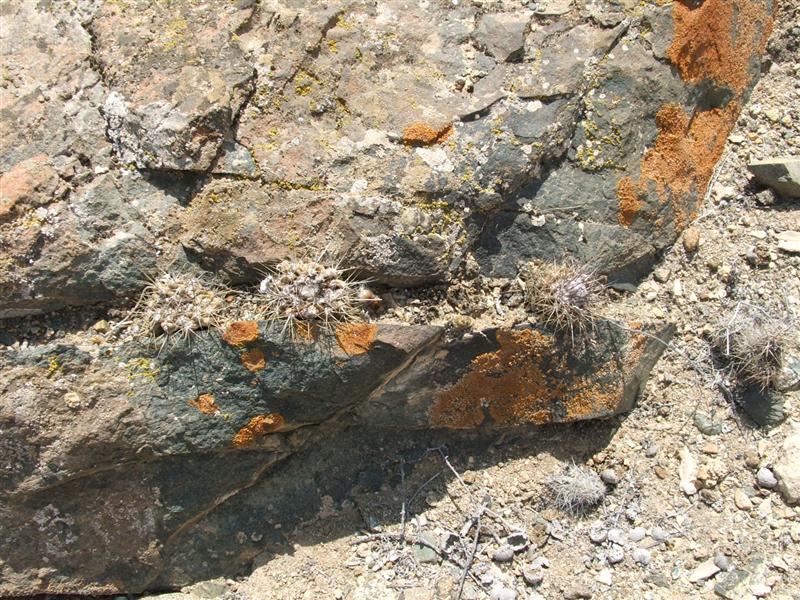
column 751, row 341
column 304, row 294
column 173, row 307
column 562, row 296
column 576, row 489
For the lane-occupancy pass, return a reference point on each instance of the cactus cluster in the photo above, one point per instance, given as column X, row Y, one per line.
column 576, row 489
column 563, row 297
column 305, row 293
column 177, row 305
column 751, row 342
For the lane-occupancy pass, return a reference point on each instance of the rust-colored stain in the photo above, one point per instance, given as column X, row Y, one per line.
column 356, row 338
column 257, row 427
column 240, row 333
column 254, row 360
column 205, row 404
column 522, row 382
column 716, row 39
column 681, row 162
column 422, row 134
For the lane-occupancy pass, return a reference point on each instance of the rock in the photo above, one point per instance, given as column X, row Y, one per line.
column 659, row 535
column 782, row 174
column 722, row 561
column 662, row 274
column 609, row 476
column 605, row 577
column 741, row 584
column 688, row 472
column 597, row 534
column 766, row 479
column 504, row 554
column 425, row 553
column 641, row 556
column 789, row 241
column 787, row 468
column 502, row 35
column 576, row 592
column 705, row 570
column 741, row 500
column 500, row 592
column 691, row 240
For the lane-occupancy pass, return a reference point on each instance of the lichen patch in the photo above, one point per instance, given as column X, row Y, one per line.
column 241, row 333
column 205, row 403
column 356, row 338
column 254, row 360
column 257, row 427
column 422, row 134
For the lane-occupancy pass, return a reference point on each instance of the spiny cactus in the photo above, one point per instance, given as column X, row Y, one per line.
column 304, row 293
column 562, row 296
column 174, row 306
column 576, row 489
column 751, row 341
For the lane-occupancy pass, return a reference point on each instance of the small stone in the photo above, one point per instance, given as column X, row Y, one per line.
column 72, row 400
column 787, row 468
column 641, row 556
column 710, row 448
column 691, row 239
column 736, row 139
column 615, row 554
column 703, row 571
column 659, row 535
column 789, row 241
column 101, row 326
column 637, row 534
column 722, row 561
column 660, row 472
column 782, row 174
column 597, row 534
column 652, row 450
column 577, row 592
column 766, row 478
column 751, row 459
column 500, row 592
column 765, row 508
column 609, row 476
column 605, row 577
column 531, row 576
column 741, row 500
column 688, row 472
column 662, row 274
column 503, row 555
column 677, row 288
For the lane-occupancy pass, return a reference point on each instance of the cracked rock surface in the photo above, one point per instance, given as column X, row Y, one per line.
column 431, row 148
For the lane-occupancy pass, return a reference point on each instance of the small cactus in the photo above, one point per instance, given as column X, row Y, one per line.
column 576, row 489
column 176, row 306
column 751, row 341
column 303, row 294
column 562, row 296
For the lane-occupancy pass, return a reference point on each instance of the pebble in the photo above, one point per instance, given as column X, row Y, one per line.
column 605, row 577
column 504, row 554
column 641, row 556
column 615, row 554
column 577, row 592
column 652, row 450
column 691, row 239
column 659, row 534
column 741, row 500
column 637, row 534
column 766, row 478
column 765, row 508
column 500, row 592
column 531, row 576
column 609, row 476
column 662, row 274
column 703, row 571
column 751, row 459
column 597, row 534
column 723, row 562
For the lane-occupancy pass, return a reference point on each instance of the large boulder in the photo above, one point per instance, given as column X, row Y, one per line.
column 123, row 471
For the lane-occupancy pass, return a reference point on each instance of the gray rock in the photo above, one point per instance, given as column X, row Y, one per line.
column 787, row 467
column 766, row 479
column 504, row 554
column 502, row 35
column 609, row 476
column 781, row 174
column 641, row 556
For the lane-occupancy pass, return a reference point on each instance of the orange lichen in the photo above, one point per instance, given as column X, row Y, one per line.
column 356, row 338
column 241, row 333
column 254, row 360
column 257, row 427
column 681, row 162
column 205, row 404
column 422, row 134
column 716, row 40
column 523, row 382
